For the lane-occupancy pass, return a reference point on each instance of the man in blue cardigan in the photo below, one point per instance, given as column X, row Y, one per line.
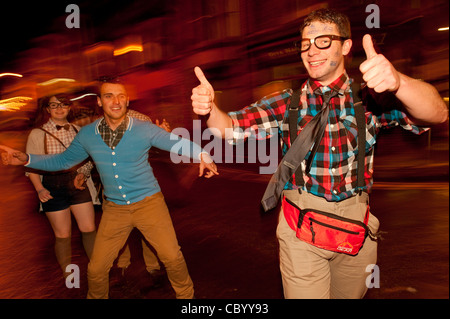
column 119, row 146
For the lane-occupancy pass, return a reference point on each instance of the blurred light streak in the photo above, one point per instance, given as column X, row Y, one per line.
column 82, row 96
column 12, row 119
column 55, row 80
column 14, row 103
column 11, row 74
column 443, row 29
column 98, row 47
column 128, row 48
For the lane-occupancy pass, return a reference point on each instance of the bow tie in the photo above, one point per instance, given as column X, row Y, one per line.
column 65, row 126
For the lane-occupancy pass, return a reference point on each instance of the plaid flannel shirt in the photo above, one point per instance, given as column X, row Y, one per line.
column 333, row 173
column 112, row 138
column 138, row 115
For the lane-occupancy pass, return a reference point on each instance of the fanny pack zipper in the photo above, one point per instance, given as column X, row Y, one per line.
column 311, row 220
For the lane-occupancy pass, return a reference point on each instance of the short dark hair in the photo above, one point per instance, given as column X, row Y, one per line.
column 329, row 16
column 114, row 79
column 111, row 79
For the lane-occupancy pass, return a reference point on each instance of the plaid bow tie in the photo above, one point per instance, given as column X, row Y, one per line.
column 65, row 126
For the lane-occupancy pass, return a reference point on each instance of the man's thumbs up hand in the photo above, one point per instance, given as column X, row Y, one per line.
column 378, row 73
column 368, row 47
column 202, row 95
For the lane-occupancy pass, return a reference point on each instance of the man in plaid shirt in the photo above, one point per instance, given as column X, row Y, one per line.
column 330, row 183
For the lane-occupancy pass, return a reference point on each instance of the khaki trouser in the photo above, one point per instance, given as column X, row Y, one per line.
column 315, row 273
column 150, row 259
column 152, row 218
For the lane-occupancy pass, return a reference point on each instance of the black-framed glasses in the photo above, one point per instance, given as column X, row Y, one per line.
column 321, row 42
column 55, row 105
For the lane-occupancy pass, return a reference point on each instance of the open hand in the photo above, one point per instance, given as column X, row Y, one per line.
column 13, row 157
column 208, row 164
column 164, row 125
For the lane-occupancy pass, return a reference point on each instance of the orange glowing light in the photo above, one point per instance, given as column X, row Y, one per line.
column 55, row 80
column 14, row 103
column 128, row 48
column 11, row 74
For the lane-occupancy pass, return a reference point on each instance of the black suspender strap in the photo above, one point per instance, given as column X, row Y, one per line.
column 361, row 124
column 47, row 132
column 293, row 119
column 293, row 115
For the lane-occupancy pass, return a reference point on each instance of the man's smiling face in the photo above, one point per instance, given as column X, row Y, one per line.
column 324, row 65
column 114, row 101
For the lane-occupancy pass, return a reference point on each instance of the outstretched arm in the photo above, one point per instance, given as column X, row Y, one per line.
column 182, row 146
column 72, row 156
column 421, row 100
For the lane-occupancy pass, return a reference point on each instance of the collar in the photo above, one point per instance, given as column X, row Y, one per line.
column 339, row 85
column 127, row 124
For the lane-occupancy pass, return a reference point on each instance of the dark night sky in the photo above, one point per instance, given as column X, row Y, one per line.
column 21, row 21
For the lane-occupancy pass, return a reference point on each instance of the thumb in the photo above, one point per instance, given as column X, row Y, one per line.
column 201, row 77
column 368, row 46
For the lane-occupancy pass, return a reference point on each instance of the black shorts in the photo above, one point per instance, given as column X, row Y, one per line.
column 63, row 192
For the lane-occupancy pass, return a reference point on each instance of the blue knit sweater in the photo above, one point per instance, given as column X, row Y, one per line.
column 125, row 172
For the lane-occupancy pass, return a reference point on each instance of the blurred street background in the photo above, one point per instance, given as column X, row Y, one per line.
column 245, row 48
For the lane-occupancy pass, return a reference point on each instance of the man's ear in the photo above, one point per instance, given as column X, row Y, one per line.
column 99, row 102
column 346, row 46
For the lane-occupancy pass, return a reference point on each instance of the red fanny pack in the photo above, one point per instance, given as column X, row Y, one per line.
column 326, row 230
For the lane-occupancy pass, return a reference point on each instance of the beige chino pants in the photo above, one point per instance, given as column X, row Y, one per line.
column 151, row 216
column 309, row 272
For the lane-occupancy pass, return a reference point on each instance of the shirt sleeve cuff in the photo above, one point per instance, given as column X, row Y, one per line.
column 29, row 160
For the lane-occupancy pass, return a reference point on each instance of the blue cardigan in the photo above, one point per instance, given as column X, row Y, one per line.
column 125, row 172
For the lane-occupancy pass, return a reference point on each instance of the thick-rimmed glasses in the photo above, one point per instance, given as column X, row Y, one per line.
column 54, row 105
column 321, row 42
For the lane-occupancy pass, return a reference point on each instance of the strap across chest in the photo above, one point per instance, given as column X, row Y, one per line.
column 53, row 136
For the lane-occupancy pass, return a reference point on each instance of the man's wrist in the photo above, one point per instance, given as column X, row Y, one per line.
column 205, row 157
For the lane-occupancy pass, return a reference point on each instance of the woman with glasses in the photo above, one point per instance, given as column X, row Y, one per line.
column 63, row 192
